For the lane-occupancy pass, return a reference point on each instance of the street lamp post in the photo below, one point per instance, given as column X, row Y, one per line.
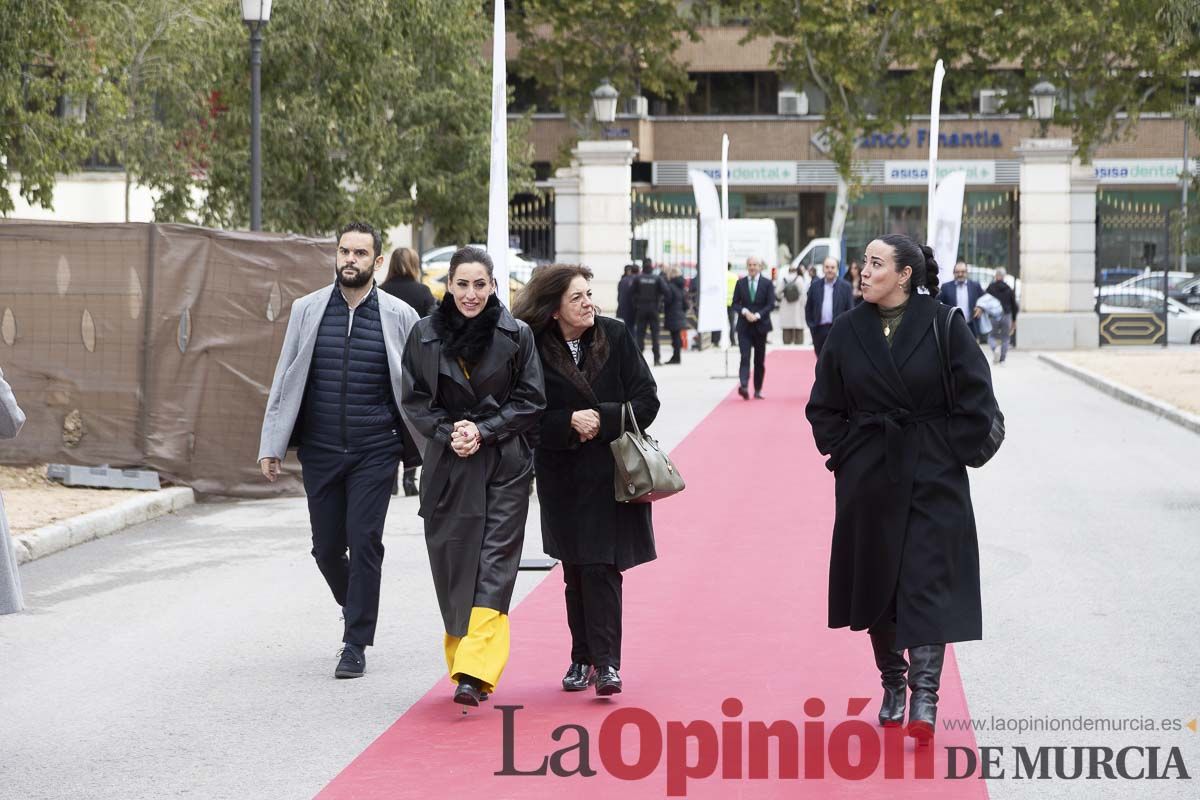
column 256, row 14
column 1044, row 98
column 604, row 102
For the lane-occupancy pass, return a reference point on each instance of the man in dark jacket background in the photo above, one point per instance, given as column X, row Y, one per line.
column 625, row 311
column 963, row 293
column 649, row 292
column 1003, row 329
column 827, row 299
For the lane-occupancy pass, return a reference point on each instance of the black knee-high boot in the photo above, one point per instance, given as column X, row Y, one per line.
column 892, row 668
column 924, row 679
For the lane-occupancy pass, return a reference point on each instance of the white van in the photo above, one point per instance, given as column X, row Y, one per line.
column 816, row 251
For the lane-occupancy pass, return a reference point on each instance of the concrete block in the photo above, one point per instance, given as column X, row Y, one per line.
column 1083, row 237
column 1038, row 268
column 1050, row 297
column 1083, row 207
column 1045, row 208
column 1045, row 237
column 1064, row 331
column 1039, row 178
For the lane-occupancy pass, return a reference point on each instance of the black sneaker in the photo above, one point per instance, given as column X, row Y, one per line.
column 353, row 662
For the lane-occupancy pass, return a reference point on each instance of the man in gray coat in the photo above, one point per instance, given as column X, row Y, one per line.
column 11, row 420
column 337, row 395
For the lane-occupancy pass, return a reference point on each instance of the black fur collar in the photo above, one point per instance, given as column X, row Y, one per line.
column 556, row 355
column 461, row 337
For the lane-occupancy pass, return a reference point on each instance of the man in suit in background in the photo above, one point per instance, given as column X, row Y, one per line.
column 753, row 301
column 827, row 299
column 963, row 293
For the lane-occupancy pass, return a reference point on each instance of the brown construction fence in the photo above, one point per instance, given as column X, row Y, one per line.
column 153, row 346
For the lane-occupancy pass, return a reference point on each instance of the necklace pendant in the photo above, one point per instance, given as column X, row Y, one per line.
column 887, row 330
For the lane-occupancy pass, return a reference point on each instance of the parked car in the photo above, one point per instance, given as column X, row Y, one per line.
column 1154, row 280
column 1183, row 323
column 1188, row 293
column 437, row 261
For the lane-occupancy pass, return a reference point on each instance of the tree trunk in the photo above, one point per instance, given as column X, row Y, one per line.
column 840, row 208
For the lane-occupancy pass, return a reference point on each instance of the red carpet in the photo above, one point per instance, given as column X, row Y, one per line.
column 733, row 608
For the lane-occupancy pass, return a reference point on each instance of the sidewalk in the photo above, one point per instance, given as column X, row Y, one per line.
column 1171, row 375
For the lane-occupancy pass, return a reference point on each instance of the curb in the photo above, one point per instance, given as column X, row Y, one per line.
column 96, row 524
column 1125, row 394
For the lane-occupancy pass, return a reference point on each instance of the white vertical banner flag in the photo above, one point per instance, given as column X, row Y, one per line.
column 497, row 237
column 712, row 316
column 725, row 200
column 935, row 112
column 945, row 223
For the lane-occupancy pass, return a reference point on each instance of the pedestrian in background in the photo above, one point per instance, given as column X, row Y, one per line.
column 11, row 420
column 853, row 277
column 792, row 292
column 649, row 293
column 340, row 364
column 753, row 301
column 731, row 281
column 473, row 390
column 592, row 368
column 675, row 313
column 963, row 293
column 1003, row 328
column 904, row 563
column 625, row 310
column 404, row 282
column 827, row 300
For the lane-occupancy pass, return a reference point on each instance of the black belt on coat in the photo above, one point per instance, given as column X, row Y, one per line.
column 893, row 424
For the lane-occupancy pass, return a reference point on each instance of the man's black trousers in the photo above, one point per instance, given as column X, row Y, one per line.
column 348, row 496
column 819, row 334
column 642, row 320
column 593, row 593
column 756, row 341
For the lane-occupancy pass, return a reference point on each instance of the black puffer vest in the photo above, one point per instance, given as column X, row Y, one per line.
column 348, row 402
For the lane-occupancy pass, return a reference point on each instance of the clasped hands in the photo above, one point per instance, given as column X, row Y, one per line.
column 586, row 424
column 465, row 439
column 750, row 315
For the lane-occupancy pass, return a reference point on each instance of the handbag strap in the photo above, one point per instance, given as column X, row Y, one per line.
column 944, row 358
column 627, row 413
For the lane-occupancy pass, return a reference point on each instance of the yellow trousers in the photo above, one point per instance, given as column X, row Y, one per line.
column 483, row 652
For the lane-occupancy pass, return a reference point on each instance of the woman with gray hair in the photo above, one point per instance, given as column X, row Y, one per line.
column 11, row 420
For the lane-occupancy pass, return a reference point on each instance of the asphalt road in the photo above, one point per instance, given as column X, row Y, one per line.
column 193, row 656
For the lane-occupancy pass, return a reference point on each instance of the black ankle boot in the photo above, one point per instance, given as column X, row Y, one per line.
column 924, row 678
column 469, row 691
column 892, row 669
column 410, row 482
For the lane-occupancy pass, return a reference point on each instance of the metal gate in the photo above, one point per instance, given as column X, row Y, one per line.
column 990, row 236
column 531, row 223
column 1131, row 296
column 667, row 231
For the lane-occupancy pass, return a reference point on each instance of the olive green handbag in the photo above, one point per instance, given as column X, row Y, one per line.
column 643, row 471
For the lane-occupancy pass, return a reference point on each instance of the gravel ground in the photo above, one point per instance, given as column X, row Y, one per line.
column 32, row 501
column 1171, row 375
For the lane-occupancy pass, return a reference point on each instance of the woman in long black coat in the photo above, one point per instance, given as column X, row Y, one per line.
column 592, row 367
column 472, row 391
column 404, row 282
column 905, row 559
column 675, row 313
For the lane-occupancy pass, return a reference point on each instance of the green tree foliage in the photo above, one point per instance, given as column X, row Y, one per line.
column 1111, row 60
column 360, row 102
column 569, row 47
column 48, row 74
column 156, row 56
